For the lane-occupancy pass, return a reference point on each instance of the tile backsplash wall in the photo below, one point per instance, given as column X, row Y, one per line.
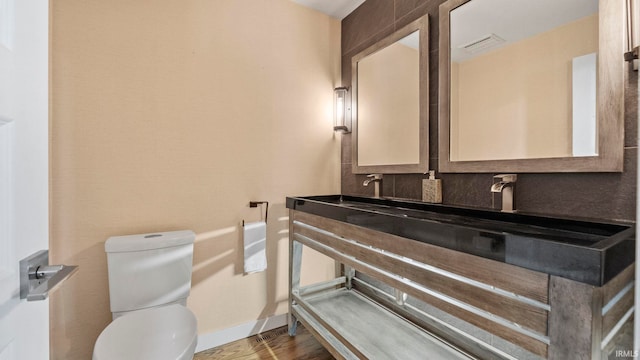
column 609, row 196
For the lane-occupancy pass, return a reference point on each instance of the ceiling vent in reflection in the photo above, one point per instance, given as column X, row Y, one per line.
column 482, row 44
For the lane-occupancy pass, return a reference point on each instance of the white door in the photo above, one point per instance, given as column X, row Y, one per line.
column 24, row 171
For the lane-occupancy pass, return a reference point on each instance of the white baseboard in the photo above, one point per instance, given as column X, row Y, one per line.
column 225, row 336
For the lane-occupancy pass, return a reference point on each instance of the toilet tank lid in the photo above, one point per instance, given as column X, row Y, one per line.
column 149, row 241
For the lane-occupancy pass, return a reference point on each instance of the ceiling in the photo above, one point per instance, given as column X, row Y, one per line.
column 518, row 19
column 338, row 9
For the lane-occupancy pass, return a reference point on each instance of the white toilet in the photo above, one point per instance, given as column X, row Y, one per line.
column 149, row 282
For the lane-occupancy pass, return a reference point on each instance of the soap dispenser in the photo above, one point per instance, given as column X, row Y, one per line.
column 432, row 189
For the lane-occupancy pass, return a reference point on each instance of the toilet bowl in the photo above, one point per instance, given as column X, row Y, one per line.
column 166, row 332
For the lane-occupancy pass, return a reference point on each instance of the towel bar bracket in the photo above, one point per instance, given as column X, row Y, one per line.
column 253, row 204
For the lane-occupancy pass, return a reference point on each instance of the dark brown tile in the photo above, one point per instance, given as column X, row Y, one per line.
column 364, row 22
column 346, row 149
column 409, row 186
column 631, row 109
column 609, row 196
column 434, row 30
column 346, row 71
column 433, row 134
column 433, row 162
column 416, row 13
column 381, row 34
column 467, row 189
column 433, row 78
column 404, row 7
column 352, row 184
column 388, row 185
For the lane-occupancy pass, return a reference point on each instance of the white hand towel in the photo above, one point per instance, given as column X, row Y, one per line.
column 255, row 241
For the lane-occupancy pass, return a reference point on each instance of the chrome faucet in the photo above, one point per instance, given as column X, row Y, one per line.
column 377, row 180
column 505, row 184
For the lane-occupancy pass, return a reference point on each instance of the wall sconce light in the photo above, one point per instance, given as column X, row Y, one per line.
column 341, row 116
column 633, row 32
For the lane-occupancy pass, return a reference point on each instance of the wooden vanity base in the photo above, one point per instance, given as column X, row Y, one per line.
column 542, row 315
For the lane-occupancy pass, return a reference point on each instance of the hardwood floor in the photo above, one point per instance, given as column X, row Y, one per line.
column 274, row 344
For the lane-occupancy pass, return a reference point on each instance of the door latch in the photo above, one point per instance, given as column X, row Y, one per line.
column 38, row 278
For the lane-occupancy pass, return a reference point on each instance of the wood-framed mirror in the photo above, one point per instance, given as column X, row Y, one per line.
column 390, row 103
column 531, row 86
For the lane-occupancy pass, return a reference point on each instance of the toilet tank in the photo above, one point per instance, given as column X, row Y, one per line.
column 148, row 270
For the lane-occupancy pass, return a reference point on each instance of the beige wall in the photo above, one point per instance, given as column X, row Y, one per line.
column 515, row 102
column 172, row 115
column 388, row 106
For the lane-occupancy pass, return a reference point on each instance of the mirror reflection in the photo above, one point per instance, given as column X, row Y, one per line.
column 523, row 79
column 388, row 104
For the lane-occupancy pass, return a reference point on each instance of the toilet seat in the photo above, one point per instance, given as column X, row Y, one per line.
column 167, row 332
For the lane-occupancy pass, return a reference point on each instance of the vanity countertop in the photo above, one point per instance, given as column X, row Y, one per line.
column 588, row 251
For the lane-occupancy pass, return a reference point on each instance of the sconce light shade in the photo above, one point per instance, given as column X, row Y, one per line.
column 341, row 116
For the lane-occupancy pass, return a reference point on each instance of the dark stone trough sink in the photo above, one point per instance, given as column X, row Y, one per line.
column 584, row 250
